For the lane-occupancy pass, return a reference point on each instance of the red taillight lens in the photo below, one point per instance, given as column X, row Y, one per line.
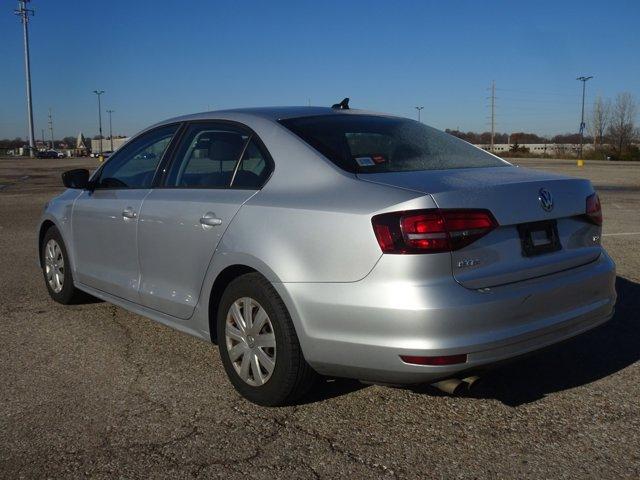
column 424, row 231
column 441, row 360
column 594, row 209
column 431, row 231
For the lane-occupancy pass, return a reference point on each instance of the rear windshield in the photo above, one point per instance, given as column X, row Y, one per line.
column 374, row 144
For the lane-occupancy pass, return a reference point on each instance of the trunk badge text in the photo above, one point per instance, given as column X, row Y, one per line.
column 546, row 199
column 468, row 262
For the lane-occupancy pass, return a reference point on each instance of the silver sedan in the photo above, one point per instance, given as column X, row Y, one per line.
column 306, row 241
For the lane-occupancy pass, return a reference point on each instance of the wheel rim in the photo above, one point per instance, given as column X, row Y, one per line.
column 54, row 266
column 250, row 341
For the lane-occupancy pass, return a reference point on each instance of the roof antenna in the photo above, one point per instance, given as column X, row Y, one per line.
column 343, row 105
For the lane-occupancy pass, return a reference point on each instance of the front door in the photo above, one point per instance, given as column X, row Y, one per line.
column 104, row 221
column 182, row 222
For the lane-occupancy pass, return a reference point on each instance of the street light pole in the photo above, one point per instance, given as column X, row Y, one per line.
column 51, row 128
column 98, row 93
column 23, row 12
column 110, row 129
column 584, row 84
column 419, row 109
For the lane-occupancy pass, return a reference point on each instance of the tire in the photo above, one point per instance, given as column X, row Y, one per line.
column 290, row 376
column 59, row 267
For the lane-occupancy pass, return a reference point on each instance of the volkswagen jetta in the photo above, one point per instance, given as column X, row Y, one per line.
column 330, row 241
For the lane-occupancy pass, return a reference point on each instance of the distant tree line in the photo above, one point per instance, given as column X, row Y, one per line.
column 612, row 124
column 611, row 128
column 517, row 137
column 66, row 142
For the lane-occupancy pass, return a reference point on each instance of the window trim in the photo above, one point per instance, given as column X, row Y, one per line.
column 251, row 135
column 167, row 153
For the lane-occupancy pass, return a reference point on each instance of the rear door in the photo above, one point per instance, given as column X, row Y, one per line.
column 104, row 220
column 216, row 168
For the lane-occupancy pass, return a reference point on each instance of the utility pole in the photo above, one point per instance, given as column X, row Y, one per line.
column 493, row 113
column 98, row 93
column 43, row 137
column 23, row 12
column 51, row 129
column 419, row 109
column 584, row 80
column 110, row 129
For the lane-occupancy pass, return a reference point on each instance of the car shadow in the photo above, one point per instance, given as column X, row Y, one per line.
column 83, row 298
column 326, row 388
column 586, row 358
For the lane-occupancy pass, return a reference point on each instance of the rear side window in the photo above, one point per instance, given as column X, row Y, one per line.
column 374, row 144
column 207, row 157
column 219, row 155
column 253, row 169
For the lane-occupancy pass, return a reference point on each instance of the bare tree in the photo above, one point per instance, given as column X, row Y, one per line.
column 623, row 115
column 599, row 121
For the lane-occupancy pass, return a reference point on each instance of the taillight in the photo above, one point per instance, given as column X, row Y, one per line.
column 431, row 231
column 594, row 209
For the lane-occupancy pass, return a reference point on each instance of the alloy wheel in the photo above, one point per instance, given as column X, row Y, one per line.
column 54, row 266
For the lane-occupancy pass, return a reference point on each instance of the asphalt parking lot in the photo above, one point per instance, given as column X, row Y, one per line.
column 94, row 391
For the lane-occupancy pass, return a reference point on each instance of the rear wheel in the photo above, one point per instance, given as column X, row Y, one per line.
column 56, row 268
column 258, row 344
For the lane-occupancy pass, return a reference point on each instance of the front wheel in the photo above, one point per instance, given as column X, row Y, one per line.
column 56, row 268
column 258, row 344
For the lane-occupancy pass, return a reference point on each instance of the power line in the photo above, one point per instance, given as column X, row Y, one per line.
column 531, row 92
column 23, row 12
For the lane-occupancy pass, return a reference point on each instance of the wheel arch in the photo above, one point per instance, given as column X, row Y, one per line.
column 44, row 227
column 224, row 278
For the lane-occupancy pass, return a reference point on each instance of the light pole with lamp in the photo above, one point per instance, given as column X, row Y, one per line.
column 98, row 93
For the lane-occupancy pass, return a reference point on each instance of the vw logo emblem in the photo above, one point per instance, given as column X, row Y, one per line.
column 546, row 199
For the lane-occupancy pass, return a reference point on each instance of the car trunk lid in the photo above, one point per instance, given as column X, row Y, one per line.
column 512, row 194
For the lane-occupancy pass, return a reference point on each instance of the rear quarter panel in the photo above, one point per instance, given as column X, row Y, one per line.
column 316, row 226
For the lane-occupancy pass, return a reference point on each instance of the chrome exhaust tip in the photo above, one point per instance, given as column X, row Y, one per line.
column 452, row 386
column 472, row 382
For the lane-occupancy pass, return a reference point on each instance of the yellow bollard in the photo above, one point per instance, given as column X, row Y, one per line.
column 101, row 159
column 581, row 163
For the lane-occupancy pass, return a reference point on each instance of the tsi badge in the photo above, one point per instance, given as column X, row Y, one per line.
column 468, row 262
column 546, row 200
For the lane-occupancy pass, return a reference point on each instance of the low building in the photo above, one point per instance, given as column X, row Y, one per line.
column 106, row 144
column 539, row 148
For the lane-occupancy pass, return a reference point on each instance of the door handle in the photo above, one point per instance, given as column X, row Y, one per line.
column 209, row 219
column 129, row 213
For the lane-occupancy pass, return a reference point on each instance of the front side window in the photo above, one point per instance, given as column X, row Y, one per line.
column 134, row 166
column 374, row 144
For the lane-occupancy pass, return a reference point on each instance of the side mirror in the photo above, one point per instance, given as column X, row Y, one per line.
column 77, row 178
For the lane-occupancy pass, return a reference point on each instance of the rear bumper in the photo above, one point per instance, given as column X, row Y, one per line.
column 360, row 329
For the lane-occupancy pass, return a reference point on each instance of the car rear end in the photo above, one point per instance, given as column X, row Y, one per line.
column 489, row 262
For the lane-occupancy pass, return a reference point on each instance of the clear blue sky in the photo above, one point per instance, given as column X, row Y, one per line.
column 157, row 59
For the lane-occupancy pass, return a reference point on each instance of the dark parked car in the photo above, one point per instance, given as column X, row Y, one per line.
column 47, row 154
